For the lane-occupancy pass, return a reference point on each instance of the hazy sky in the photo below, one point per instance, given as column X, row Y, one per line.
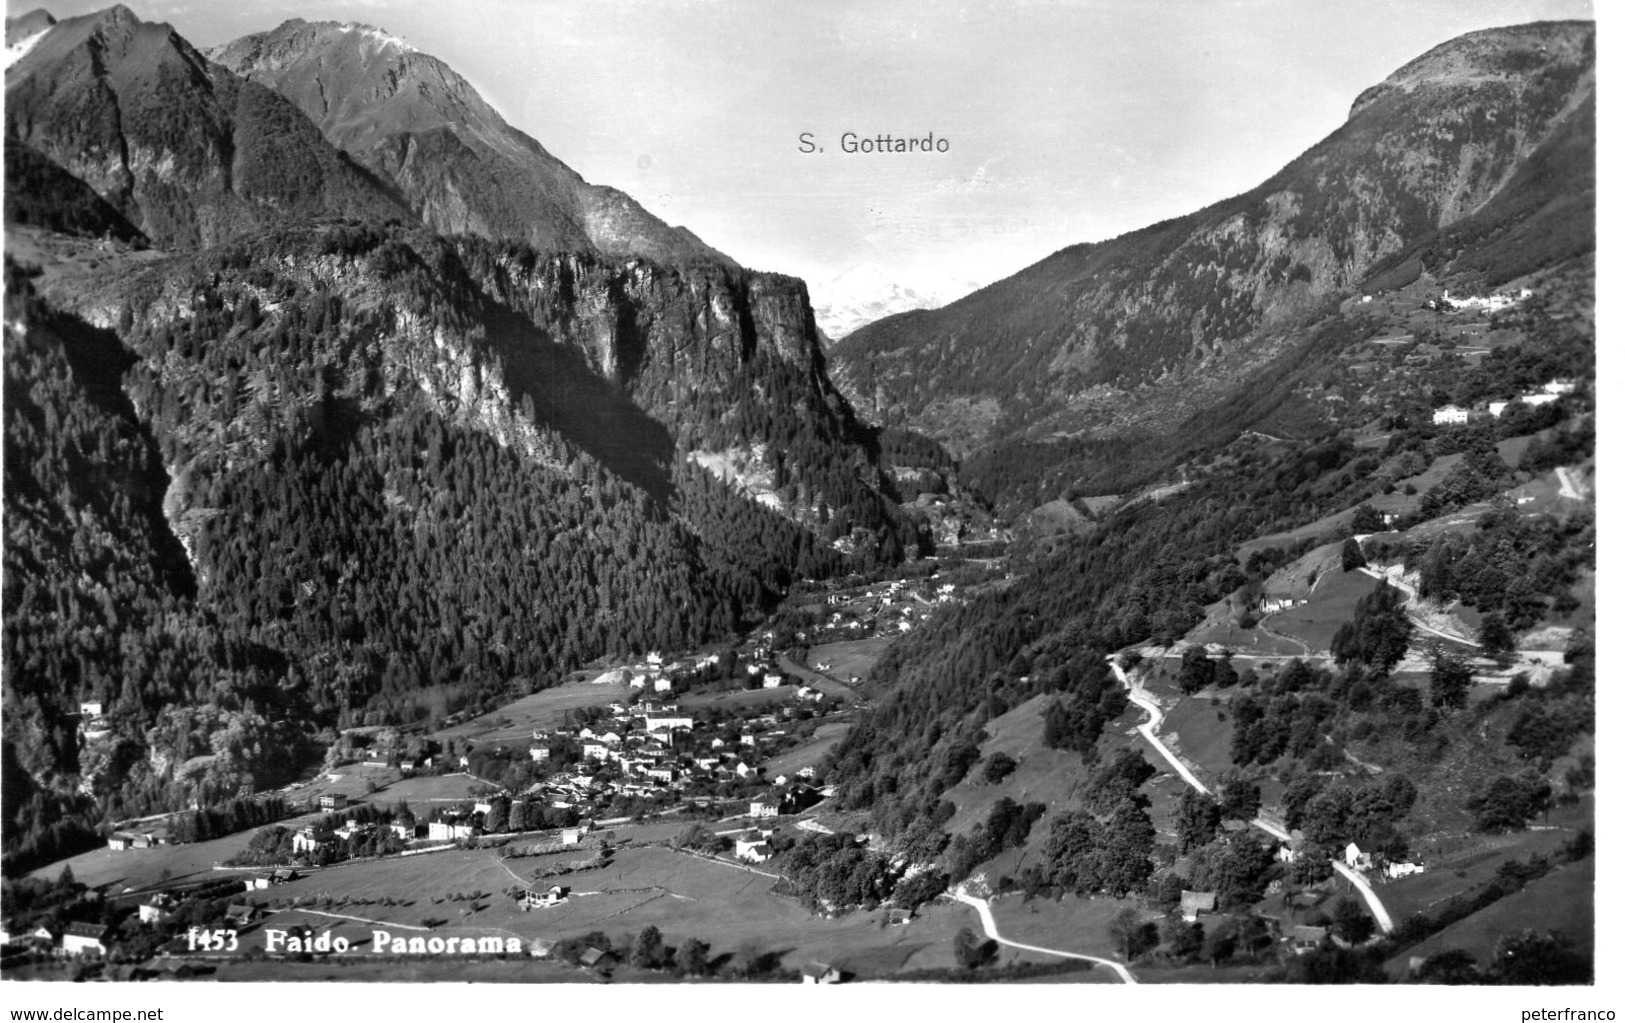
column 1066, row 121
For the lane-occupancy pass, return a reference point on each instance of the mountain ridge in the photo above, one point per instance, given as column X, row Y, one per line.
column 188, row 152
column 1133, row 332
column 409, row 117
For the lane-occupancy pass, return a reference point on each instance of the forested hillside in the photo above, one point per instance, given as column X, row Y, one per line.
column 1146, row 575
column 1473, row 164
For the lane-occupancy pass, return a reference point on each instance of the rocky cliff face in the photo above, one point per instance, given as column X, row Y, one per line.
column 407, row 116
column 188, row 152
column 1136, row 331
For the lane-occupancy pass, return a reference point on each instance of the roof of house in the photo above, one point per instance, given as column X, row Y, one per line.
column 85, row 929
column 1198, row 900
column 591, row 956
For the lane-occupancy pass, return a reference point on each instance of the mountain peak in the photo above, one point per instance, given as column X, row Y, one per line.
column 1490, row 55
column 186, row 151
column 409, row 117
column 26, row 26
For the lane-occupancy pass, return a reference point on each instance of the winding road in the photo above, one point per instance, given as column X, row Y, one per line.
column 1410, row 596
column 991, row 926
column 1139, row 698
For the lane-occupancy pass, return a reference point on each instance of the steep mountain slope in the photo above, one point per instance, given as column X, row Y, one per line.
column 317, row 465
column 1136, row 333
column 393, row 475
column 413, row 120
column 39, row 192
column 188, row 152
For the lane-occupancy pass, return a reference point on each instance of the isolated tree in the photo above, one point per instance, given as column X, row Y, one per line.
column 1196, row 670
column 971, row 952
column 694, row 958
column 1242, row 799
column 1196, row 819
column 998, row 767
column 1132, row 937
column 1495, row 635
column 649, row 951
column 1509, row 801
column 1353, row 557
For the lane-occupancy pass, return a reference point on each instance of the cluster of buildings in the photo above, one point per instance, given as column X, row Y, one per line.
column 1483, row 303
column 894, row 608
column 653, row 750
column 1453, row 415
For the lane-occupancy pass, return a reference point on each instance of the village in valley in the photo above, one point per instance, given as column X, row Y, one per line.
column 538, row 817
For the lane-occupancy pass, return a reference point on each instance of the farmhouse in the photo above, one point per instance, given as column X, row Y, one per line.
column 752, row 847
column 157, row 909
column 1194, row 904
column 85, row 939
column 333, row 801
column 1357, row 858
column 309, row 839
column 1305, row 938
column 764, row 807
column 821, row 973
column 539, row 897
column 1450, row 415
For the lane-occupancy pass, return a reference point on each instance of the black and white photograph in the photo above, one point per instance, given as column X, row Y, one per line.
column 678, row 494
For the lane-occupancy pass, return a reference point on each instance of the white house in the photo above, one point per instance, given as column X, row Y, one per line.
column 751, row 847
column 90, row 709
column 85, row 939
column 652, row 721
column 1539, row 399
column 450, row 831
column 1395, row 871
column 311, row 840
column 1450, row 414
column 764, row 807
column 1356, row 858
column 540, row 897
column 662, row 684
column 772, row 681
column 157, row 909
column 539, row 753
column 1559, row 387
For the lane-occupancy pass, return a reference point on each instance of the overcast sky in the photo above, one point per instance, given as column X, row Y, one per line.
column 1066, row 121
